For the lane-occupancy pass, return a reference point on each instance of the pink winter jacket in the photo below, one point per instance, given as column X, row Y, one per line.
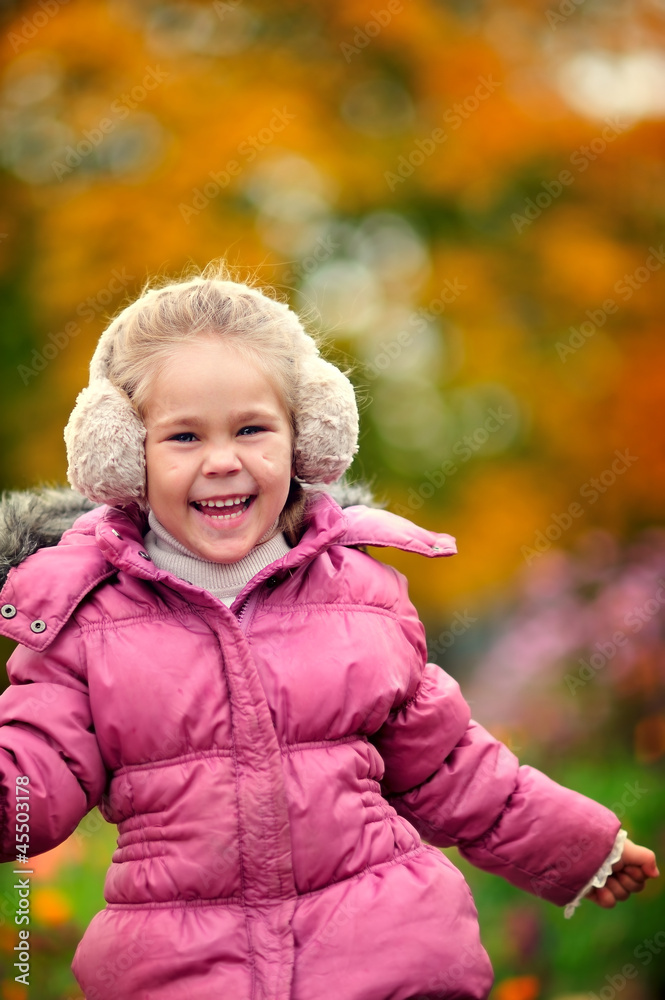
column 271, row 768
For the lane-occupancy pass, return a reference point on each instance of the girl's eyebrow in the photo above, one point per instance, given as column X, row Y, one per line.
column 180, row 421
column 244, row 416
column 187, row 420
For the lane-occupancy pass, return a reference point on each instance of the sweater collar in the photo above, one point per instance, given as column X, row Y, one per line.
column 221, row 579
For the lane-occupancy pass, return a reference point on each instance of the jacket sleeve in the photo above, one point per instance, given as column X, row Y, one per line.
column 47, row 736
column 457, row 785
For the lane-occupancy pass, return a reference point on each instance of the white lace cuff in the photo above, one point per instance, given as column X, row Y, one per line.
column 601, row 876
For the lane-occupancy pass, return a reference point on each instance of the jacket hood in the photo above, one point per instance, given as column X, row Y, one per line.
column 36, row 519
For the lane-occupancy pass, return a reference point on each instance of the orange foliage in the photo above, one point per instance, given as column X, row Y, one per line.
column 359, row 101
column 14, row 991
column 50, row 906
column 517, row 988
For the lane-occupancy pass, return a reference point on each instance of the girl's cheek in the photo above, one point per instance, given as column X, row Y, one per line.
column 275, row 463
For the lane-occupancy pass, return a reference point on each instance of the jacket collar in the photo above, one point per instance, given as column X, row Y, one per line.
column 108, row 539
column 120, row 536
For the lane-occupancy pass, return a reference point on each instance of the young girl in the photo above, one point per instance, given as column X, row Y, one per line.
column 212, row 659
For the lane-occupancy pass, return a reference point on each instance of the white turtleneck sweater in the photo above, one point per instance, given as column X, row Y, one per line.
column 222, row 580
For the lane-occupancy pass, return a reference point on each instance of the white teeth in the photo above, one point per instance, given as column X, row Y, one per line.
column 223, row 503
column 236, row 502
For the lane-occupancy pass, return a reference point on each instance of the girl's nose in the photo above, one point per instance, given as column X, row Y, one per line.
column 221, row 460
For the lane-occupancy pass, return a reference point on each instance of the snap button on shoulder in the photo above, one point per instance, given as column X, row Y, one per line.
column 116, row 533
column 144, row 555
column 8, row 611
column 37, row 626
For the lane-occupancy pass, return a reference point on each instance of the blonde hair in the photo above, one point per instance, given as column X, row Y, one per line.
column 211, row 303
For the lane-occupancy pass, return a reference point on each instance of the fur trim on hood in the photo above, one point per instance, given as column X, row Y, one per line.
column 35, row 519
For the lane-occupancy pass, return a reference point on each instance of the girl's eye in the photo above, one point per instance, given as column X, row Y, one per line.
column 250, row 430
column 185, row 437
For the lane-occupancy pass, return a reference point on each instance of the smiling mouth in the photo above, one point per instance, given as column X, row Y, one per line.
column 223, row 510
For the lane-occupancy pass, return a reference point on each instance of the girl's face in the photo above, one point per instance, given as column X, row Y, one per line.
column 218, row 450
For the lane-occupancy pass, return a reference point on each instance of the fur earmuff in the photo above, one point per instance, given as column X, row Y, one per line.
column 327, row 423
column 105, row 446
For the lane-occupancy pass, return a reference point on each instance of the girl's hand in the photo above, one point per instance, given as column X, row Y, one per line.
column 629, row 874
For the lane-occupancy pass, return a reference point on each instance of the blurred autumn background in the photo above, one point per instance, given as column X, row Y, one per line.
column 466, row 198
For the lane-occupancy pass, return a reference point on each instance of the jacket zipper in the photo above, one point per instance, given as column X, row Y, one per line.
column 246, row 610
